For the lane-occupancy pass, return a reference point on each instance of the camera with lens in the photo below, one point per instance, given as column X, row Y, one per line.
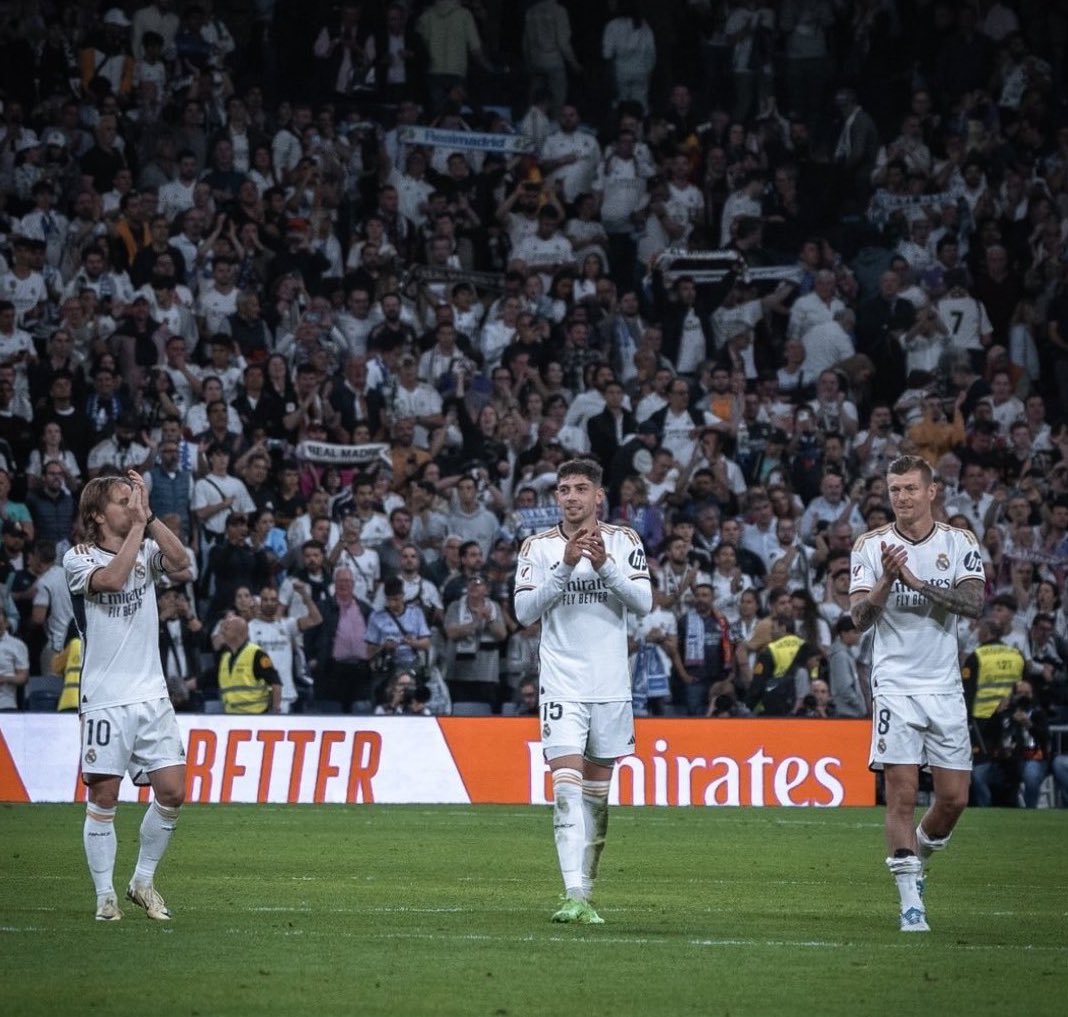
column 418, row 693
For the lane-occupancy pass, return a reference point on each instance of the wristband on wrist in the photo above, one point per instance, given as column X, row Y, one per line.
column 150, row 520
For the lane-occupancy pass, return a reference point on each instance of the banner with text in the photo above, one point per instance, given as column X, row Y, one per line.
column 460, row 760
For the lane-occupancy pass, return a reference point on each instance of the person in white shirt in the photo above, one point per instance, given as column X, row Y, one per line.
column 829, row 343
column 964, row 316
column 620, row 186
column 547, row 251
column 14, row 665
column 972, row 499
column 629, row 44
column 814, row 308
column 418, row 400
column 218, row 494
column 911, row 582
column 278, row 636
column 44, row 223
column 570, row 155
column 176, row 196
column 217, row 301
column 1007, row 408
column 123, row 698
column 830, row 507
column 745, row 201
column 583, row 580
column 833, row 411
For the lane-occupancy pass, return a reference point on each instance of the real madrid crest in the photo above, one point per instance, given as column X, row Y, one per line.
column 882, row 745
column 139, row 570
column 90, row 756
column 942, row 561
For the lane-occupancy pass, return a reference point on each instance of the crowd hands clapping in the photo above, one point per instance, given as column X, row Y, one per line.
column 347, row 324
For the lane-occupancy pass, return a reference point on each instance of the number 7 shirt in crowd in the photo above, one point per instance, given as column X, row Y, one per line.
column 915, row 649
column 120, row 630
column 583, row 613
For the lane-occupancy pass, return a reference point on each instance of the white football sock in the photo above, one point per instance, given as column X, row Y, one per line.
column 927, row 845
column 595, row 816
column 98, row 836
column 156, row 830
column 905, row 872
column 569, row 828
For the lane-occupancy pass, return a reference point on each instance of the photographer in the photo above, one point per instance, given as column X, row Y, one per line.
column 405, row 697
column 1015, row 740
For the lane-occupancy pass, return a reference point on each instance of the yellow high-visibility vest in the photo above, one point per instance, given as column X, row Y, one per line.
column 72, row 676
column 783, row 652
column 1000, row 667
column 239, row 688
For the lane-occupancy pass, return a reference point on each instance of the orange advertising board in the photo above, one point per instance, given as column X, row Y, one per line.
column 682, row 762
column 357, row 760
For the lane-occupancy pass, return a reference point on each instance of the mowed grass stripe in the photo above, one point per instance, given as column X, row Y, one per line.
column 415, row 910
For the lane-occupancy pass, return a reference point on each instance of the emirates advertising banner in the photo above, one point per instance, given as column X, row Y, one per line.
column 424, row 760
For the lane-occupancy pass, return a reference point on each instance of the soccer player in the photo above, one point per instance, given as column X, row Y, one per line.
column 128, row 723
column 582, row 579
column 911, row 580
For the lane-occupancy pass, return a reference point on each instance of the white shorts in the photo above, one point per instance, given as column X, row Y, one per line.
column 923, row 730
column 597, row 730
column 138, row 739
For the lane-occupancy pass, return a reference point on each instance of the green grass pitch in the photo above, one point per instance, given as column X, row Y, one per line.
column 415, row 910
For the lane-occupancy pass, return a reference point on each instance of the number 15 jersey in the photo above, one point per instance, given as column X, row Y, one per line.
column 584, row 630
column 915, row 649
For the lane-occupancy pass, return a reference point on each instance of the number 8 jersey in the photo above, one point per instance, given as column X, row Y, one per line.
column 915, row 649
column 583, row 613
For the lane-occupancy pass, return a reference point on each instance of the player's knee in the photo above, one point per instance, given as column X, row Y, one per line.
column 103, row 794
column 953, row 802
column 171, row 797
column 104, row 799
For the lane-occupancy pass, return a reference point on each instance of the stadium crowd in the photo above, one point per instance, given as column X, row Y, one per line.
column 348, row 283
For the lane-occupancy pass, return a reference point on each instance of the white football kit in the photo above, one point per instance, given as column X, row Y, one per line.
column 278, row 638
column 128, row 722
column 585, row 689
column 918, row 712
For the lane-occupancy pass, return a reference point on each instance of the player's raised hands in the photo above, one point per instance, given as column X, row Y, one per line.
column 594, row 549
column 894, row 557
column 574, row 547
column 139, row 510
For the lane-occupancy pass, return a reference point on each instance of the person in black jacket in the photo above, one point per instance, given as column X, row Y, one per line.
column 232, row 563
column 608, row 428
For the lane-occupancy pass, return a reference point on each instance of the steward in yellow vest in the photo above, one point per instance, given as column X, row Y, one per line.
column 248, row 681
column 990, row 673
column 774, row 690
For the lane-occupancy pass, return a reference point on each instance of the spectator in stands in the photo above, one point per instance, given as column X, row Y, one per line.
column 475, row 628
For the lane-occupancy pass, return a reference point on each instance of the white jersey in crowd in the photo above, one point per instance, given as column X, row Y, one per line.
column 584, row 654
column 120, row 631
column 967, row 321
column 278, row 639
column 915, row 647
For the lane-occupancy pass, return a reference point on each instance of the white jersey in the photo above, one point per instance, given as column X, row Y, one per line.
column 584, row 629
column 967, row 321
column 278, row 639
column 120, row 631
column 915, row 647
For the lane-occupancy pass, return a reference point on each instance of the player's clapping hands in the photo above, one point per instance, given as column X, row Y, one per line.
column 586, row 544
column 139, row 510
column 895, row 558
